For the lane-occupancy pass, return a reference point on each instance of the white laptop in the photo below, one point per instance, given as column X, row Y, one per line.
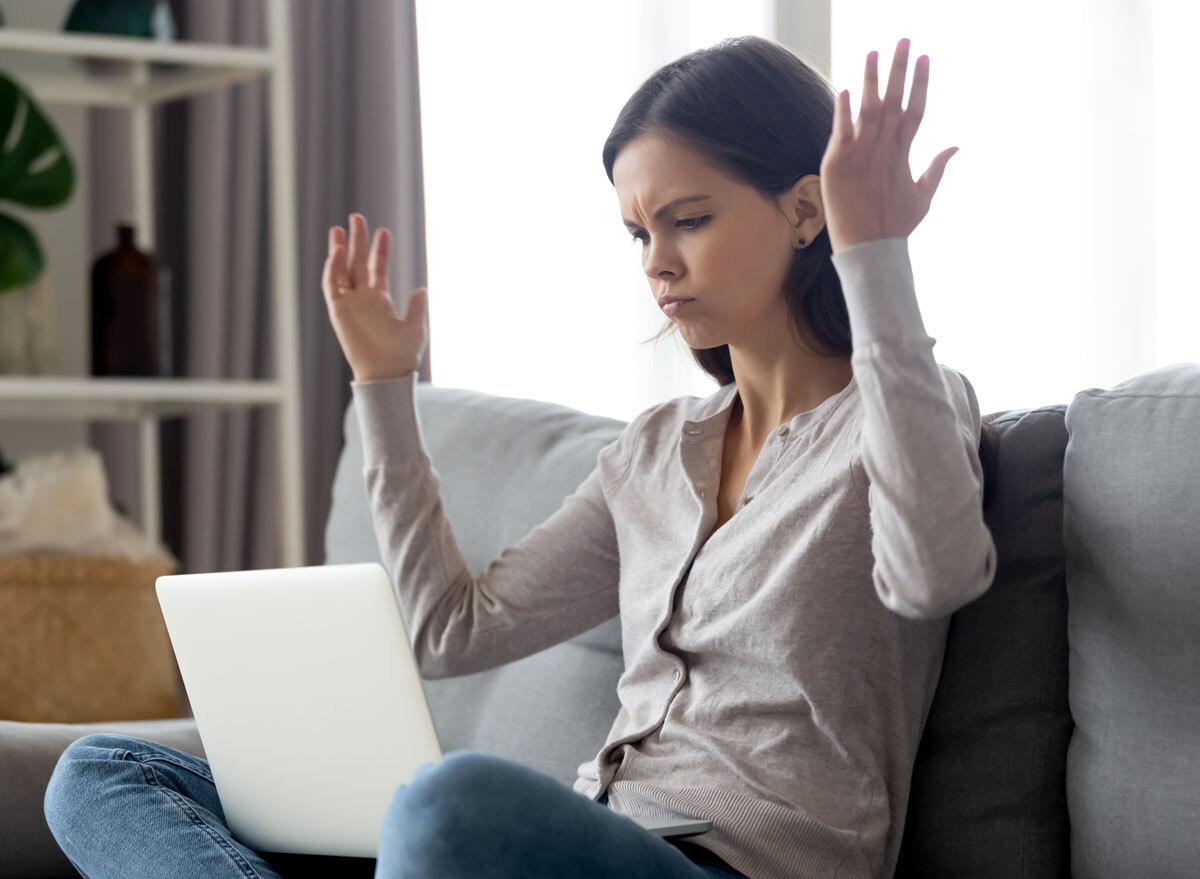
column 308, row 702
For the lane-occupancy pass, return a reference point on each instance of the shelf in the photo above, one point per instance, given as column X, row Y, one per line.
column 50, row 64
column 126, row 398
column 137, row 73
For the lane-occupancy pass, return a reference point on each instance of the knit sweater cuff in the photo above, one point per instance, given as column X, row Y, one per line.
column 387, row 418
column 877, row 281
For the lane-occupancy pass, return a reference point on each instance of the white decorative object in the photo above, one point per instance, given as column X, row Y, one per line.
column 29, row 343
column 162, row 23
column 58, row 503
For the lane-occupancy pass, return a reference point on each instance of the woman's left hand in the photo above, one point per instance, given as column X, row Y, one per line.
column 866, row 184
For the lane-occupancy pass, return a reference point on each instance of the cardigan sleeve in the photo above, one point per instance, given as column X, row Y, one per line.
column 933, row 552
column 558, row 581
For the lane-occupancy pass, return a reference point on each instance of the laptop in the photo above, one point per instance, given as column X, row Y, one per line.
column 309, row 703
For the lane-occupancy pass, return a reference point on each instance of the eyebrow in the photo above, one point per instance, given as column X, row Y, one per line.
column 671, row 204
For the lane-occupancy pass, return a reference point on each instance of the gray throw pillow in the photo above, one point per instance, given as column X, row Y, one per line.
column 988, row 792
column 1132, row 537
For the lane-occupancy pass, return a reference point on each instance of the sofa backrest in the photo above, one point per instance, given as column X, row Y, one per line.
column 504, row 465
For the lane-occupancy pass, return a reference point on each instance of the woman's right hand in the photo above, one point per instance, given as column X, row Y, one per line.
column 378, row 344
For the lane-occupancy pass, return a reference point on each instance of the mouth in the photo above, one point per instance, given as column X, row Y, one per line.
column 672, row 306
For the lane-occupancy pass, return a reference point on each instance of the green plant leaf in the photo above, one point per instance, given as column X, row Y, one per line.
column 20, row 256
column 36, row 170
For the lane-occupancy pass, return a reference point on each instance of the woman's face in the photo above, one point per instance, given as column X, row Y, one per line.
column 729, row 252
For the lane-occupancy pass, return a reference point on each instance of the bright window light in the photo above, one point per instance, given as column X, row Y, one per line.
column 535, row 287
column 1055, row 255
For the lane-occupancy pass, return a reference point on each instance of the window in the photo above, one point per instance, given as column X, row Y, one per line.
column 1056, row 253
column 1055, row 256
column 535, row 289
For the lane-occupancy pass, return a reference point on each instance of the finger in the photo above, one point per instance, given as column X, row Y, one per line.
column 339, row 272
column 843, row 130
column 337, row 238
column 416, row 306
column 868, row 109
column 895, row 86
column 377, row 265
column 932, row 177
column 916, row 101
column 333, row 281
column 337, row 235
column 327, row 273
column 357, row 257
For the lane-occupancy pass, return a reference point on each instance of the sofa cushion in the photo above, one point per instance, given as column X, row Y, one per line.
column 28, row 753
column 1132, row 516
column 988, row 792
column 504, row 465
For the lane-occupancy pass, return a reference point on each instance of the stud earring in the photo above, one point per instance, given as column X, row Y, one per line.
column 801, row 242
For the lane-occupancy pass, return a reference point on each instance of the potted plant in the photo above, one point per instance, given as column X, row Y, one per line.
column 35, row 172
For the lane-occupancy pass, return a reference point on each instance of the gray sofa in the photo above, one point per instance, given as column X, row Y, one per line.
column 1064, row 738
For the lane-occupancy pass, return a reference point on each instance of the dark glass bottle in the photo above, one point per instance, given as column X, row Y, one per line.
column 129, row 312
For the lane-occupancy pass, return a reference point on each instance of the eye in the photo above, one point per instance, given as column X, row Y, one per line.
column 641, row 236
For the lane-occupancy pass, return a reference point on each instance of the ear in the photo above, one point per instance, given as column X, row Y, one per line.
column 803, row 207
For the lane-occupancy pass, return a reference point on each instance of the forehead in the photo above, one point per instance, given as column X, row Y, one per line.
column 652, row 169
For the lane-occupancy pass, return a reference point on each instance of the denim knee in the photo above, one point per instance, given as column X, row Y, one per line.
column 65, row 798
column 444, row 806
column 461, row 781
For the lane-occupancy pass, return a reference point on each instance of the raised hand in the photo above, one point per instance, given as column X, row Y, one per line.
column 378, row 344
column 867, row 188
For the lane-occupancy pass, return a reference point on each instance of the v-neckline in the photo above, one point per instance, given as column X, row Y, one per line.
column 743, row 473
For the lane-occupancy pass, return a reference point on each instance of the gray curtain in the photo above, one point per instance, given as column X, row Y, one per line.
column 358, row 149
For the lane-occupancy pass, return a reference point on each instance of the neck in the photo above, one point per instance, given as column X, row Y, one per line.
column 775, row 387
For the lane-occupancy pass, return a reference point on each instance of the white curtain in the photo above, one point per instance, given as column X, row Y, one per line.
column 1052, row 258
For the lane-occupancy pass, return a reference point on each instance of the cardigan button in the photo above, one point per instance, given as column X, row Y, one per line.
column 781, row 430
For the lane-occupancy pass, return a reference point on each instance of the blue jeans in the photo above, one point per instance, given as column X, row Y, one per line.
column 125, row 808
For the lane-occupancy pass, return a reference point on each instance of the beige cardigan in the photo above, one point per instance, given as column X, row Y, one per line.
column 777, row 678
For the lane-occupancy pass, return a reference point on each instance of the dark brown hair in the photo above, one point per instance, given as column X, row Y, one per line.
column 762, row 115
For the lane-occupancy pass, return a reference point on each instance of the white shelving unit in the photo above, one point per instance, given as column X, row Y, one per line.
column 151, row 74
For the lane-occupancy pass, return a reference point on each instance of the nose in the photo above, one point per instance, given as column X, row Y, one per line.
column 660, row 260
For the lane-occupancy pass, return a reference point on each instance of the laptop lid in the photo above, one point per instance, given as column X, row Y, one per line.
column 307, row 699
column 309, row 703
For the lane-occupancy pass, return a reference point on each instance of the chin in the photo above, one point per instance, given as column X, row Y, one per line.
column 700, row 343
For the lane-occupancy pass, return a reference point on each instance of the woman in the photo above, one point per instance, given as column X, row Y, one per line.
column 784, row 554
